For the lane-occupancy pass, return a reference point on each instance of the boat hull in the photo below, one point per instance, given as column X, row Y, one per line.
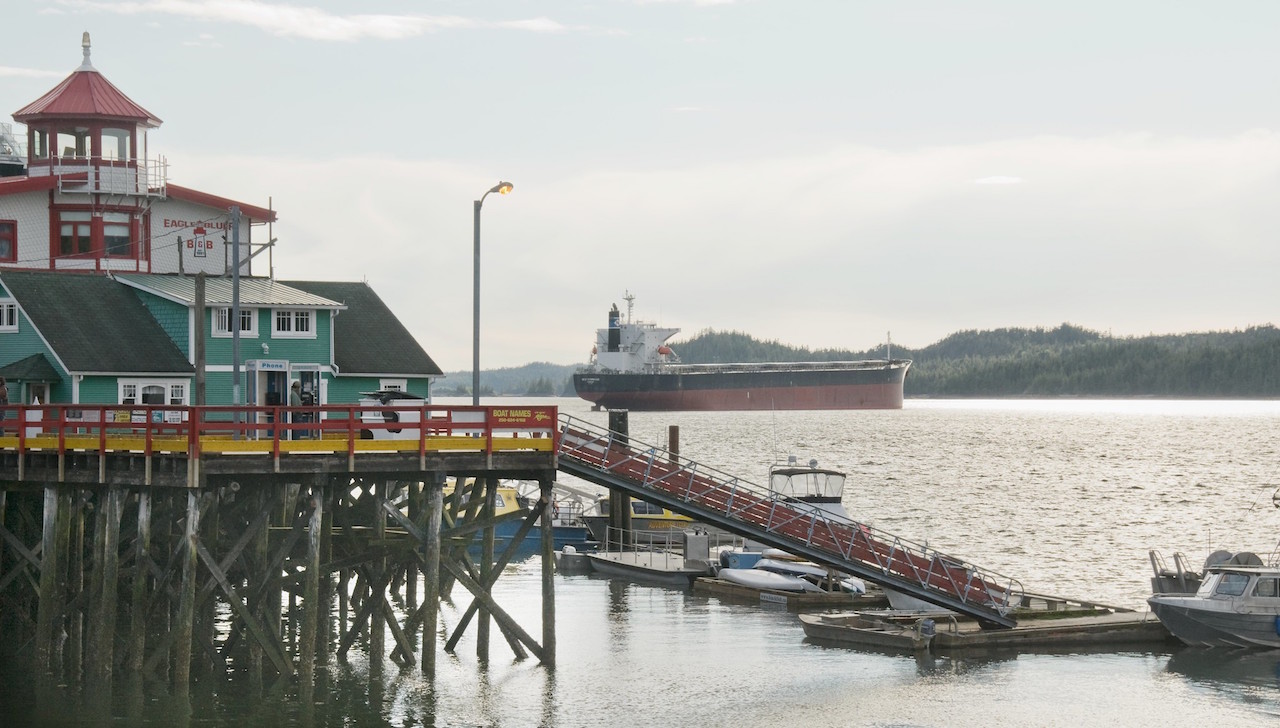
column 857, row 631
column 767, row 387
column 1215, row 623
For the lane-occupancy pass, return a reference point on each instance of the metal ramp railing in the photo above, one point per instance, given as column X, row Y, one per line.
column 705, row 494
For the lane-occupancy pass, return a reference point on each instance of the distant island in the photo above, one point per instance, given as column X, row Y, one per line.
column 1067, row 361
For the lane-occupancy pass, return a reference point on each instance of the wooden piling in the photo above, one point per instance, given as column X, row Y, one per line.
column 546, row 501
column 183, row 626
column 311, row 599
column 141, row 575
column 103, row 628
column 50, row 587
column 431, row 572
column 486, row 564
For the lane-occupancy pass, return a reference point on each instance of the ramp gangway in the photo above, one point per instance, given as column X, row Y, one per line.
column 652, row 473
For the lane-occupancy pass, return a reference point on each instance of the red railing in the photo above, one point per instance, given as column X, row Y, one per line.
column 276, row 429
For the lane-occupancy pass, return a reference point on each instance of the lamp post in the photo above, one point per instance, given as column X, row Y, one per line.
column 501, row 188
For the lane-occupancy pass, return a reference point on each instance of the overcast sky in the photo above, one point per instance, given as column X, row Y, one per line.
column 820, row 172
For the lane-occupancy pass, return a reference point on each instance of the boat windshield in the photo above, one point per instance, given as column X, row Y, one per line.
column 802, row 483
column 1231, row 584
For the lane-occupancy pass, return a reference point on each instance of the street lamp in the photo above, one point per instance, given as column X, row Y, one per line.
column 501, row 188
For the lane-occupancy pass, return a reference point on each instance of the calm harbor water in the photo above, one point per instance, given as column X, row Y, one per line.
column 1065, row 496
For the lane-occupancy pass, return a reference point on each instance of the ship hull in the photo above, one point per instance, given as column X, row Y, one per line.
column 775, row 388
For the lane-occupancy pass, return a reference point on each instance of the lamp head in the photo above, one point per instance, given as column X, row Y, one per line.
column 502, row 188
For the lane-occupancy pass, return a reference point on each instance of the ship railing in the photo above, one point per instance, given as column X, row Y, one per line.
column 816, row 366
column 706, row 490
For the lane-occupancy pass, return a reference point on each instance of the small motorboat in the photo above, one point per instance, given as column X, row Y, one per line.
column 1237, row 605
column 758, row 578
column 859, row 629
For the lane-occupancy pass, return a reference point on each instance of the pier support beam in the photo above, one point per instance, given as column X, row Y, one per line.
column 431, row 572
column 184, row 624
column 50, row 582
column 312, row 609
column 546, row 503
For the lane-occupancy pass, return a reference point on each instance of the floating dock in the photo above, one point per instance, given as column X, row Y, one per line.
column 1037, row 631
column 1115, row 629
column 793, row 601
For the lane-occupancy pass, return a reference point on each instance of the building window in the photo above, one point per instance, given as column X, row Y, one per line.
column 8, row 241
column 75, row 233
column 8, row 316
column 153, row 391
column 248, row 322
column 115, row 144
column 393, row 385
column 116, row 240
column 293, row 324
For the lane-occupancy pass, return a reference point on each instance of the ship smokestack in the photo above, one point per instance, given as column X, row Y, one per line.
column 615, row 330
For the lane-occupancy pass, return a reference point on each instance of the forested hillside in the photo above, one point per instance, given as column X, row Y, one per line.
column 1063, row 361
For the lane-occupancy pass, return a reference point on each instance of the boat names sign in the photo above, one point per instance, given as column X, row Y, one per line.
column 533, row 417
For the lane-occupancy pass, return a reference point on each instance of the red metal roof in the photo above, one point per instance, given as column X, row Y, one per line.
column 85, row 94
column 16, row 185
column 260, row 214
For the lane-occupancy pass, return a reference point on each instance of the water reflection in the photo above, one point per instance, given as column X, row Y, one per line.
column 1244, row 673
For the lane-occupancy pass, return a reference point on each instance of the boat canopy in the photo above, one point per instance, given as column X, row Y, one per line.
column 806, row 482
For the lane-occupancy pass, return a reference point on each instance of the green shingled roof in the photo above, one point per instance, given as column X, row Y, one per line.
column 34, row 368
column 94, row 324
column 367, row 337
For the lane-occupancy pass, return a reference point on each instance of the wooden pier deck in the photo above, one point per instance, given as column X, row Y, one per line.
column 179, row 542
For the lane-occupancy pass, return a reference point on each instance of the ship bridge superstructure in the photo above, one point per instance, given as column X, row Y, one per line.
column 632, row 346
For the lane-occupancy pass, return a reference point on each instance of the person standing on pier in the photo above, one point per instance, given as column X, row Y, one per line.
column 295, row 401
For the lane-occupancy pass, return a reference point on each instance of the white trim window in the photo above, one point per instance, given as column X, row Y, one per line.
column 293, row 323
column 172, row 392
column 248, row 322
column 8, row 316
column 398, row 385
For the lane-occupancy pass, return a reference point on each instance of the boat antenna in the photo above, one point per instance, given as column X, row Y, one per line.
column 631, row 301
column 888, row 345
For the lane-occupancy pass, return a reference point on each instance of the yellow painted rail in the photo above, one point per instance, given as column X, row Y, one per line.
column 225, row 430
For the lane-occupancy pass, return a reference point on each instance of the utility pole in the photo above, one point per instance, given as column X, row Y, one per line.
column 235, row 313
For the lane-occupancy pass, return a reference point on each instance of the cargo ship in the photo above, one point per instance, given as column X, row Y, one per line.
column 633, row 368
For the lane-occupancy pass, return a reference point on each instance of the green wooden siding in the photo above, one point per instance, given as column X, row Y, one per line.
column 300, row 351
column 174, row 318
column 99, row 390
column 26, row 341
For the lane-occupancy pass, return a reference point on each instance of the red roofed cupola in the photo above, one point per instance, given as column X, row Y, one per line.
column 85, row 94
column 92, row 137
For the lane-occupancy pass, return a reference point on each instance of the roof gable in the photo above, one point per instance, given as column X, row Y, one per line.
column 94, row 324
column 35, row 368
column 367, row 337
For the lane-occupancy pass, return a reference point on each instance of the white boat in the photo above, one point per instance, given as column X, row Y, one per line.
column 817, row 487
column 1237, row 605
column 769, row 580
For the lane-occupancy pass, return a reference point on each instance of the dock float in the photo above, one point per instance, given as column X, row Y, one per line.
column 793, row 601
column 1116, row 629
